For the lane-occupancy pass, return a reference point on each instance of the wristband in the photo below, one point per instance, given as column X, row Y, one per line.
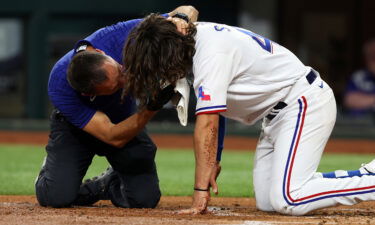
column 199, row 189
column 182, row 16
column 81, row 46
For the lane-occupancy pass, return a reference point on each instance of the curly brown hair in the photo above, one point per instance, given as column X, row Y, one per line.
column 156, row 54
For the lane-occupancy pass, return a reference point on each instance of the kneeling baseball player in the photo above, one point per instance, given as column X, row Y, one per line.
column 85, row 87
column 246, row 77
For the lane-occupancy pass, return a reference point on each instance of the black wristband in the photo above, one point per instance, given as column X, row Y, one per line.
column 182, row 16
column 199, row 189
column 81, row 46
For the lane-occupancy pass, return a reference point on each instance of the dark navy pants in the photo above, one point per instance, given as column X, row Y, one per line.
column 69, row 154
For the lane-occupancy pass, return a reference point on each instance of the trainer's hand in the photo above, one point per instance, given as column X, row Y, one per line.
column 189, row 10
column 200, row 202
column 161, row 99
column 181, row 25
column 214, row 175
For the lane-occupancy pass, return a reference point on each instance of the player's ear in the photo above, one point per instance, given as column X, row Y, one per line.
column 100, row 51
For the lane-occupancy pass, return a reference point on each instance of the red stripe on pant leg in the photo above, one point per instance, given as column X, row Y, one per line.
column 292, row 162
column 331, row 192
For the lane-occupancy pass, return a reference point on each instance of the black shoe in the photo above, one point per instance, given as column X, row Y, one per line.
column 96, row 188
column 118, row 194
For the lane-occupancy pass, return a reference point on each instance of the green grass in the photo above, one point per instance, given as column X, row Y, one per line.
column 20, row 164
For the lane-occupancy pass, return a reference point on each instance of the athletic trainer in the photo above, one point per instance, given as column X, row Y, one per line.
column 246, row 77
column 90, row 117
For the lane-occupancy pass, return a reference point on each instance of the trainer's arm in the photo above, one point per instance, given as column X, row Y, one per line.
column 119, row 134
column 189, row 10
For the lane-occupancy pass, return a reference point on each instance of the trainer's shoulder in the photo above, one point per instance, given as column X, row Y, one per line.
column 117, row 30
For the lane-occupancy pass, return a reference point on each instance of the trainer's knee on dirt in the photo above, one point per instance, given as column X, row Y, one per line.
column 147, row 199
column 53, row 195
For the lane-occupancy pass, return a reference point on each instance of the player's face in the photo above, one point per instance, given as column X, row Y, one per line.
column 115, row 79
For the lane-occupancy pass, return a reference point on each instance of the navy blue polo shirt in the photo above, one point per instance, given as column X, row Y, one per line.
column 79, row 109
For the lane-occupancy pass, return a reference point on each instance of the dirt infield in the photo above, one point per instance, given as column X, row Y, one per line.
column 357, row 146
column 25, row 210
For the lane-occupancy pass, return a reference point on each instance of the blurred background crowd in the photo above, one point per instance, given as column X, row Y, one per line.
column 335, row 37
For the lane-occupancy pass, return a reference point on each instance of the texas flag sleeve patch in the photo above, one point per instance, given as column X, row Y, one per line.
column 207, row 103
column 204, row 94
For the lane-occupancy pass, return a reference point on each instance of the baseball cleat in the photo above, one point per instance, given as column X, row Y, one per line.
column 369, row 167
column 96, row 188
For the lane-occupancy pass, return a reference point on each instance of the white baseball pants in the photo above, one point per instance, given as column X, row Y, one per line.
column 289, row 151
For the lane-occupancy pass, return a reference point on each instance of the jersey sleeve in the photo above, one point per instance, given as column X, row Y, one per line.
column 211, row 80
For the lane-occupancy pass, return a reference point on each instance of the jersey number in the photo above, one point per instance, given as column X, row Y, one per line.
column 265, row 43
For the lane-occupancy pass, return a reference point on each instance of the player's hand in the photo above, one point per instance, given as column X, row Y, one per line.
column 214, row 175
column 200, row 202
column 161, row 99
column 182, row 25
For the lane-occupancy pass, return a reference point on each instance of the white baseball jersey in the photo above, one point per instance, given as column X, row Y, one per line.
column 241, row 74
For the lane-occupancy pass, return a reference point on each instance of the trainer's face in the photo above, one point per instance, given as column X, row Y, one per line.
column 115, row 79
